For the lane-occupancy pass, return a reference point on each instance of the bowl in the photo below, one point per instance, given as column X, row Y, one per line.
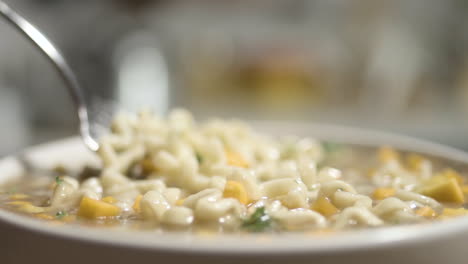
column 25, row 240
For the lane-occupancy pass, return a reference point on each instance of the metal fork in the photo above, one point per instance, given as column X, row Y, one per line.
column 49, row 50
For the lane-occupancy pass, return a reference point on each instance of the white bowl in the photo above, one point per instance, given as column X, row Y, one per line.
column 25, row 240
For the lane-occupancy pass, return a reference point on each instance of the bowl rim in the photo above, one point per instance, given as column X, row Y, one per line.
column 363, row 240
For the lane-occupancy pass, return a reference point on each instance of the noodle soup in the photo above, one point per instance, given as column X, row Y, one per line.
column 222, row 176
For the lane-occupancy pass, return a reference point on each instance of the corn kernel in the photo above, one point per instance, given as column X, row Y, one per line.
column 235, row 159
column 427, row 212
column 236, row 190
column 453, row 174
column 109, row 199
column 180, row 202
column 453, row 212
column 325, row 207
column 465, row 189
column 414, row 162
column 388, row 154
column 136, row 204
column 92, row 209
column 383, row 193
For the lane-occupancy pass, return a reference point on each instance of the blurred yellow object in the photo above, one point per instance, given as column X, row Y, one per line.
column 371, row 172
column 444, row 188
column 415, row 161
column 236, row 190
column 92, row 209
column 325, row 207
column 136, row 204
column 465, row 189
column 109, row 199
column 388, row 154
column 235, row 159
column 427, row 212
column 180, row 202
column 44, row 216
column 18, row 196
column 382, row 193
column 27, row 207
column 449, row 173
column 453, row 212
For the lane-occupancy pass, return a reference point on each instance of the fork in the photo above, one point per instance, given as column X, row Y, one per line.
column 51, row 52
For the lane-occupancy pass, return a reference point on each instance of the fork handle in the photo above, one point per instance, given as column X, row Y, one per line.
column 49, row 50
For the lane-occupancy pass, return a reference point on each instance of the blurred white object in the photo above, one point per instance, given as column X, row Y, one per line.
column 14, row 132
column 142, row 77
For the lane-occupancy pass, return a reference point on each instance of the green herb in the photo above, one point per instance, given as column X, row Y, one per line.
column 60, row 214
column 259, row 221
column 199, row 157
column 331, row 147
column 58, row 180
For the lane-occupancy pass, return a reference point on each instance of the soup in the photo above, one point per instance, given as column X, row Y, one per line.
column 222, row 176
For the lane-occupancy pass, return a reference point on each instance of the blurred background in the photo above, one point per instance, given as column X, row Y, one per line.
column 399, row 66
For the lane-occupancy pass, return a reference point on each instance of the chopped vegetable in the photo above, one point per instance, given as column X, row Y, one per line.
column 60, row 214
column 383, row 193
column 452, row 212
column 415, row 162
column 465, row 189
column 427, row 212
column 234, row 189
column 444, row 188
column 180, row 202
column 109, row 199
column 136, row 204
column 449, row 173
column 199, row 158
column 92, row 209
column 259, row 221
column 235, row 159
column 388, row 154
column 58, row 180
column 325, row 207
